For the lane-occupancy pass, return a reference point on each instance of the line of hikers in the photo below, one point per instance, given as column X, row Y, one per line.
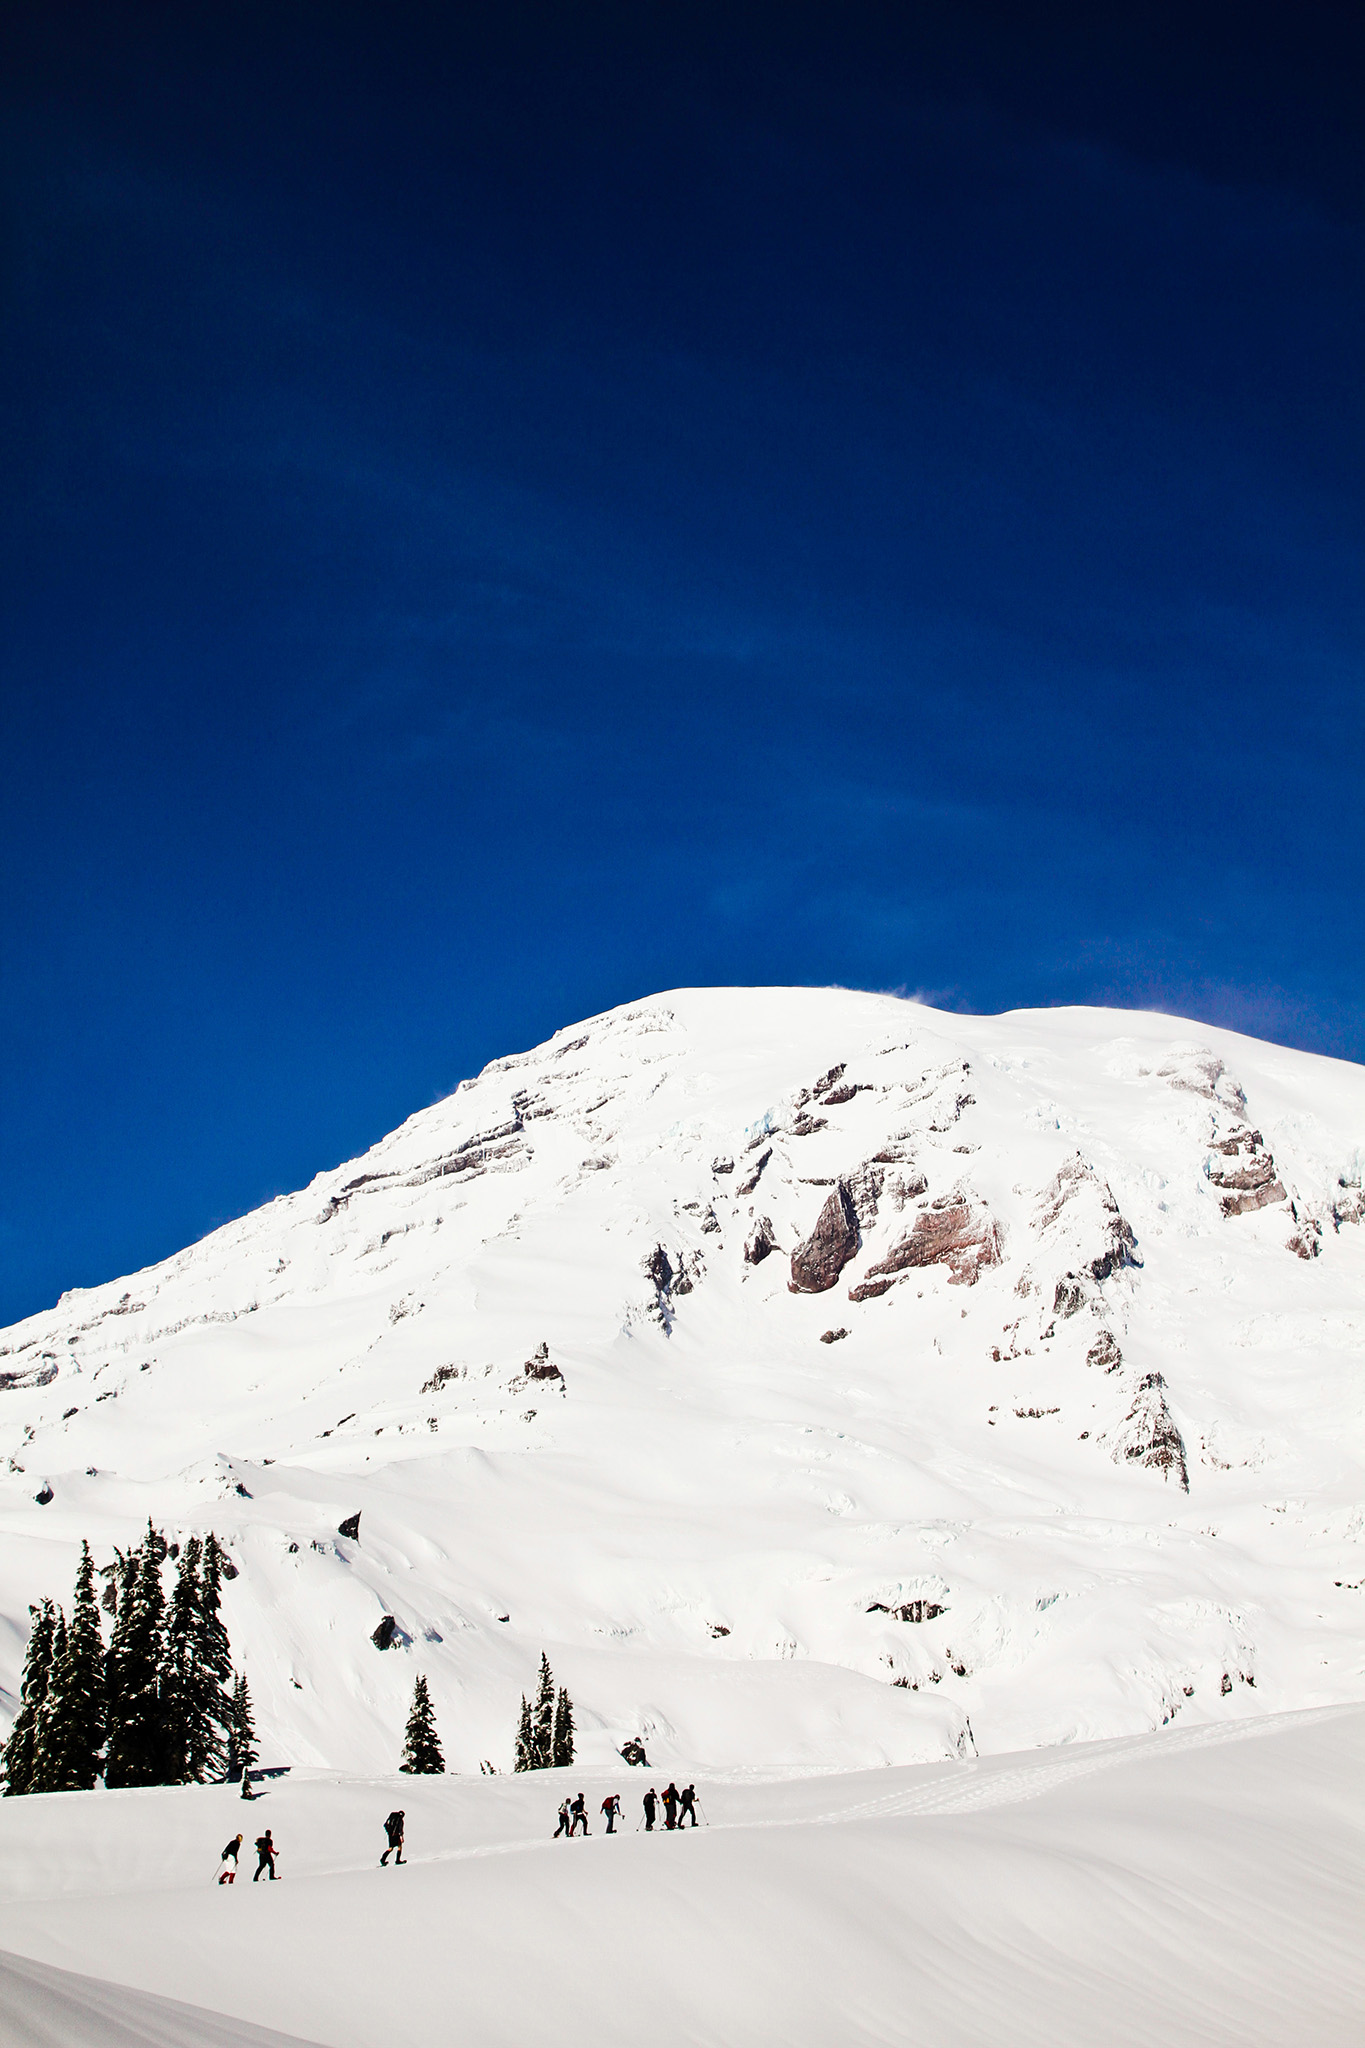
column 679, row 1808
column 267, row 1852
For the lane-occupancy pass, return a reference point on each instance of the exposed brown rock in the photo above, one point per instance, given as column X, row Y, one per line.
column 540, row 1366
column 948, row 1233
column 832, row 1336
column 805, row 1126
column 1105, row 1353
column 1149, row 1436
column 761, row 1241
column 1306, row 1241
column 830, row 1080
column 817, row 1263
column 864, row 1191
column 1245, row 1204
column 910, row 1610
column 1069, row 1298
column 755, row 1173
column 1108, row 1238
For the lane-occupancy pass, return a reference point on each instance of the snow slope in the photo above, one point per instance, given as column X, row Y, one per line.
column 1192, row 1888
column 544, row 1339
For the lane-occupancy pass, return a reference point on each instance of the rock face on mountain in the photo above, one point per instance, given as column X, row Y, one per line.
column 1086, row 1412
column 817, row 1264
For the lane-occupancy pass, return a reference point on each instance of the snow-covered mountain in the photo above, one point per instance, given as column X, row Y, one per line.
column 822, row 1380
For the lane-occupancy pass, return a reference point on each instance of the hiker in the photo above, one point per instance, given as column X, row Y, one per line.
column 651, row 1801
column 579, row 1809
column 229, row 1855
column 393, row 1828
column 688, row 1806
column 565, row 1822
column 265, row 1849
column 611, row 1806
column 670, row 1805
column 247, row 1792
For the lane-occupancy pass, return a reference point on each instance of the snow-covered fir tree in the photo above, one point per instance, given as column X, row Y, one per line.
column 526, row 1742
column 543, row 1717
column 23, row 1759
column 198, row 1705
column 141, row 1750
column 241, row 1730
column 74, row 1738
column 421, row 1744
column 564, row 1729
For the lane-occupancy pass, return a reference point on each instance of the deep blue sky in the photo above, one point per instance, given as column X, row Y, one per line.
column 497, row 520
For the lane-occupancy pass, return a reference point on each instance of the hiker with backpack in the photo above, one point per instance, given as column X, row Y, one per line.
column 266, row 1850
column 651, row 1802
column 688, row 1806
column 393, row 1828
column 579, row 1809
column 611, row 1806
column 229, row 1856
column 565, row 1821
column 670, row 1805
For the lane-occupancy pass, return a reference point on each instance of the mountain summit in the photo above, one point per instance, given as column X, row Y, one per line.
column 821, row 1379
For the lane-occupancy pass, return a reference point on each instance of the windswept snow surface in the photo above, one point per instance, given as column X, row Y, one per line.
column 544, row 1340
column 45, row 2008
column 1191, row 1888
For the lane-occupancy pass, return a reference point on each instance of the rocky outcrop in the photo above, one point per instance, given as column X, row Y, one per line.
column 350, row 1527
column 539, row 1366
column 755, row 1173
column 31, row 1376
column 817, row 1264
column 1197, row 1070
column 760, row 1242
column 832, row 1336
column 1305, row 1240
column 865, row 1192
column 909, row 1610
column 1244, row 1173
column 1077, row 1211
column 1149, row 1436
column 950, row 1232
column 1105, row 1353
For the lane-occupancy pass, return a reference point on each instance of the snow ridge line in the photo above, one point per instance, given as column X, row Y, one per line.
column 1009, row 1788
column 1032, row 1781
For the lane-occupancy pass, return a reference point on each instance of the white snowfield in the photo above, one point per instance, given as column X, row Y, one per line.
column 1190, row 1888
column 544, row 1340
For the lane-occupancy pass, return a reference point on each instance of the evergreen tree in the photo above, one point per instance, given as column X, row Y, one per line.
column 76, row 1723
column 23, row 1758
column 212, row 1695
column 46, row 1767
column 525, row 1756
column 544, row 1718
column 421, row 1744
column 196, row 1704
column 241, row 1730
column 564, row 1730
column 177, row 1676
column 141, row 1728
